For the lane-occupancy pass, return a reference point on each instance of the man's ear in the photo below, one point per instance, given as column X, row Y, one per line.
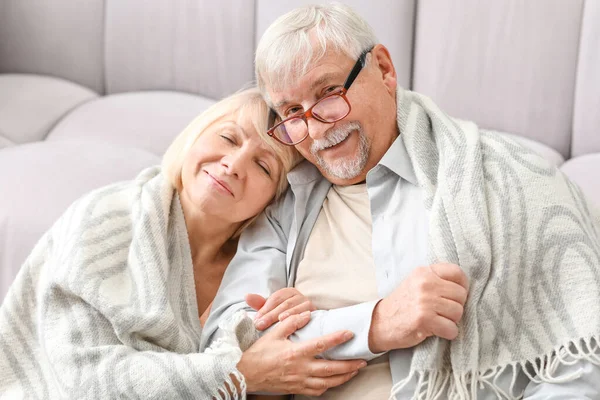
column 383, row 61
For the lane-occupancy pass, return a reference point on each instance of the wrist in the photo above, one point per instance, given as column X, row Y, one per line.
column 244, row 368
column 378, row 342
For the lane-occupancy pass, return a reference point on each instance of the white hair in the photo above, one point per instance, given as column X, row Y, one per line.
column 300, row 38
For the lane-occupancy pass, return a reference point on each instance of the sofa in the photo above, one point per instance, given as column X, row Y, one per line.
column 92, row 92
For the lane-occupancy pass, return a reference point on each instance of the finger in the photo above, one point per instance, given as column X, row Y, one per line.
column 256, row 301
column 291, row 325
column 306, row 306
column 444, row 328
column 321, row 344
column 322, row 384
column 268, row 319
column 276, row 299
column 453, row 291
column 325, row 368
column 449, row 309
column 451, row 272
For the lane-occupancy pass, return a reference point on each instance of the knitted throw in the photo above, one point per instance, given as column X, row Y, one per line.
column 529, row 243
column 105, row 306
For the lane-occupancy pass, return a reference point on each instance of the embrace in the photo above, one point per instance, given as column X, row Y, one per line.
column 327, row 234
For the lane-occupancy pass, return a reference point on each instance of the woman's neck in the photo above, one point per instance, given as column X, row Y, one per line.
column 209, row 236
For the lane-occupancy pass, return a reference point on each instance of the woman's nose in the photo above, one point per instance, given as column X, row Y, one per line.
column 235, row 163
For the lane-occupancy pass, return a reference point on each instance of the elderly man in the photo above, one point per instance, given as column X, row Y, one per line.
column 466, row 266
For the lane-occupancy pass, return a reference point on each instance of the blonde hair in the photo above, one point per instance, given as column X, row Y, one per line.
column 244, row 102
column 287, row 49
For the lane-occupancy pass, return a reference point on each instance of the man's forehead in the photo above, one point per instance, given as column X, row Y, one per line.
column 315, row 78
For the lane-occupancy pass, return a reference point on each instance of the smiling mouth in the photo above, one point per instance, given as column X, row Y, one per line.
column 220, row 183
column 332, row 146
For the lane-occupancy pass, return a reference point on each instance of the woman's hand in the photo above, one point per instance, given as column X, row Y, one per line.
column 275, row 364
column 279, row 306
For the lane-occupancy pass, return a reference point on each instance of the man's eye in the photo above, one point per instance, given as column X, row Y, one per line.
column 293, row 111
column 331, row 89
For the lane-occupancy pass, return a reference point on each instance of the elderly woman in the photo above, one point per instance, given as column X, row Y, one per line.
column 109, row 303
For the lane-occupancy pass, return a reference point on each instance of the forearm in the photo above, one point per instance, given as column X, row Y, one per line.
column 356, row 319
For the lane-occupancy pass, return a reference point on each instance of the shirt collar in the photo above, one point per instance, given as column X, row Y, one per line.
column 397, row 160
column 303, row 173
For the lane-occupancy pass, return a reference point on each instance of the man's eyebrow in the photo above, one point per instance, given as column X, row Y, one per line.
column 315, row 85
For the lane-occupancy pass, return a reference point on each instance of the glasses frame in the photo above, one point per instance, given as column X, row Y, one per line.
column 358, row 66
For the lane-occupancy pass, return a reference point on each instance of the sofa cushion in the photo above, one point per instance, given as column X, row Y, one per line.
column 149, row 120
column 586, row 117
column 62, row 39
column 584, row 172
column 508, row 65
column 200, row 46
column 45, row 178
column 30, row 105
column 545, row 151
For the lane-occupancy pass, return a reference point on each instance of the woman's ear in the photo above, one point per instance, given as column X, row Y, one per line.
column 383, row 62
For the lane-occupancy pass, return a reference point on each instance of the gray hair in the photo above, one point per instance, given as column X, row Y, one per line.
column 286, row 50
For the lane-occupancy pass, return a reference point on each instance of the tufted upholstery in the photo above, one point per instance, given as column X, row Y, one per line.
column 93, row 91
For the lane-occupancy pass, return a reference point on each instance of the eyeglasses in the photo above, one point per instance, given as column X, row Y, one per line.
column 330, row 108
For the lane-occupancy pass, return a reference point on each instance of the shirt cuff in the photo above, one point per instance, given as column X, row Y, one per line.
column 356, row 319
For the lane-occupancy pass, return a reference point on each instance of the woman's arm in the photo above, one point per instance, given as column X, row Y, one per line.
column 88, row 359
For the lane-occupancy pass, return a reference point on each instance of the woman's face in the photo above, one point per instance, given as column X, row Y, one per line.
column 229, row 172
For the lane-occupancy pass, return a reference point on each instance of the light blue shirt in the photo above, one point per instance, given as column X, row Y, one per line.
column 270, row 251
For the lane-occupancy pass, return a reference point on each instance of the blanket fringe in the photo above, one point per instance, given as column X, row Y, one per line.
column 433, row 384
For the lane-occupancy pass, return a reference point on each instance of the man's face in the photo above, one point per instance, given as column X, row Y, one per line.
column 346, row 150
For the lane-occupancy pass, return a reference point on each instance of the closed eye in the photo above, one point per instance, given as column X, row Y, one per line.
column 228, row 139
column 264, row 168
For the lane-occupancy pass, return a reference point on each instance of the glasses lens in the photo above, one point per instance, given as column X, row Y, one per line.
column 331, row 109
column 291, row 131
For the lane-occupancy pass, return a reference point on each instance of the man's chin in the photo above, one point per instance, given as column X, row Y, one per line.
column 340, row 174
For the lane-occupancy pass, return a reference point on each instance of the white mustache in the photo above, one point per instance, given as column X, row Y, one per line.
column 334, row 136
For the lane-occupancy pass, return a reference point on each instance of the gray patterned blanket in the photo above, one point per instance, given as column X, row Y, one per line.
column 528, row 241
column 105, row 306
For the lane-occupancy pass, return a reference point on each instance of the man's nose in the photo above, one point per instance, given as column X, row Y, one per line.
column 317, row 129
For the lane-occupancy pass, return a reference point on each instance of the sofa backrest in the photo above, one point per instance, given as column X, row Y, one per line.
column 202, row 46
column 62, row 39
column 110, row 46
column 586, row 123
column 508, row 65
column 528, row 68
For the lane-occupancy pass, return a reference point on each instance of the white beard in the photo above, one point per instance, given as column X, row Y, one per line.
column 347, row 167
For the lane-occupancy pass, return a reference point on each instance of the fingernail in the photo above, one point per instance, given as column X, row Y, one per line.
column 305, row 314
column 283, row 316
column 257, row 316
column 348, row 335
column 260, row 324
column 354, row 373
column 362, row 364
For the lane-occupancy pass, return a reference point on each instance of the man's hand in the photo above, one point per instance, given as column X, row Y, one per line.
column 274, row 364
column 278, row 306
column 429, row 302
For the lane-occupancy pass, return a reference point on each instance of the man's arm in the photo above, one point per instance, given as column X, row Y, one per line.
column 429, row 302
column 259, row 266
